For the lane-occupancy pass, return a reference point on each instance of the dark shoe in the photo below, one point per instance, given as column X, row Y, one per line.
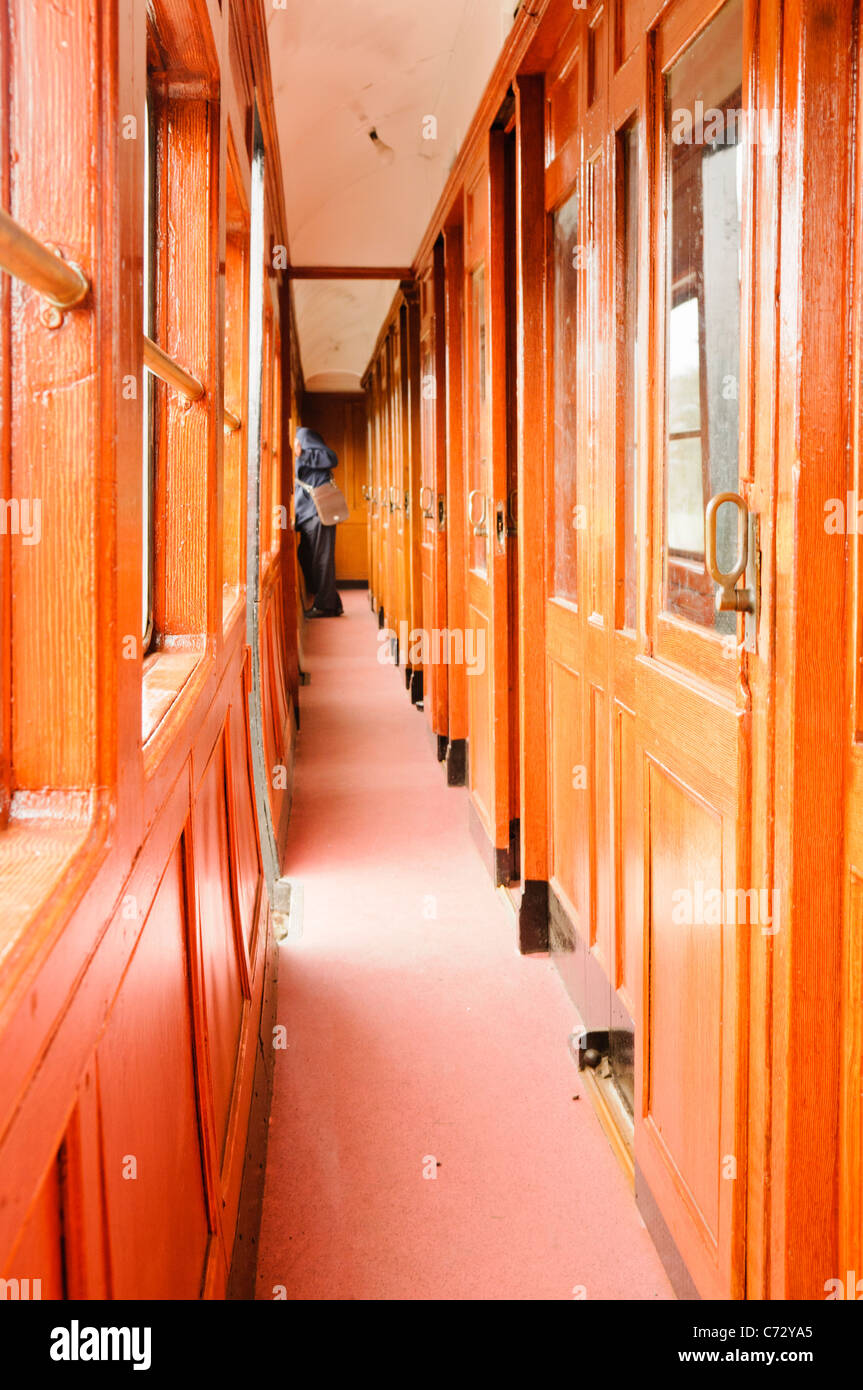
column 321, row 613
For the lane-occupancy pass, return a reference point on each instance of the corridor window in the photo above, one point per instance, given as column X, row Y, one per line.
column 276, row 446
column 704, row 161
column 179, row 450
column 567, row 264
column 236, row 340
column 148, row 449
column 479, row 471
column 628, row 369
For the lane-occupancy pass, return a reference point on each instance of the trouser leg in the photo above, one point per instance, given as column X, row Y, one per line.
column 321, row 541
column 304, row 555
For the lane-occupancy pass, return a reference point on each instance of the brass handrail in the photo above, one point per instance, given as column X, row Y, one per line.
column 169, row 371
column 61, row 282
column 232, row 421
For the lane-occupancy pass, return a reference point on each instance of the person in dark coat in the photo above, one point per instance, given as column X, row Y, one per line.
column 317, row 549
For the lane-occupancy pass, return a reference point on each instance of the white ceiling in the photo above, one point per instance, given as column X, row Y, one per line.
column 342, row 68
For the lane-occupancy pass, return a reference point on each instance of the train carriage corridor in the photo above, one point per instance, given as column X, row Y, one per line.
column 431, row 654
column 419, row 1041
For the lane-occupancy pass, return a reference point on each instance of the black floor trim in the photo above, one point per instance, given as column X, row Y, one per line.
column 456, row 763
column 533, row 918
column 672, row 1260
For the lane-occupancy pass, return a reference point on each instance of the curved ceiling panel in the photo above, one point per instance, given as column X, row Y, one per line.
column 334, row 320
column 342, row 69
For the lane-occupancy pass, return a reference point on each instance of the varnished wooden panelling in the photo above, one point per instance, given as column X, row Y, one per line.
column 628, row 20
column 851, row 1200
column 187, row 144
column 684, row 1027
column 153, row 1171
column 341, row 420
column 532, row 465
column 277, row 726
column 37, row 1263
column 432, row 501
column 570, row 793
column 135, row 920
column 5, row 446
column 456, row 492
column 850, row 1234
column 247, row 855
column 235, row 380
column 565, row 97
column 601, row 868
column 629, row 855
column 55, row 386
column 223, row 984
column 479, row 704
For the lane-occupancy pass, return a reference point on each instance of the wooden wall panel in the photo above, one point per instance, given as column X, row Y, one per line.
column 38, row 1256
column 223, row 986
column 684, row 1024
column 156, row 1210
column 54, row 399
column 480, row 718
column 247, row 866
column 601, row 871
column 141, row 1075
column 629, row 856
column 277, row 734
column 185, row 318
column 569, row 793
column 851, row 1190
column 341, row 420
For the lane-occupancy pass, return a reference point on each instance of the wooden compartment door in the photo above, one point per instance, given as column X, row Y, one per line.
column 690, row 742
column 432, row 502
column 579, row 616
column 487, row 287
column 648, row 742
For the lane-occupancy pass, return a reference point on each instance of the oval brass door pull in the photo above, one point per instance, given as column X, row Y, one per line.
column 478, row 524
column 730, row 599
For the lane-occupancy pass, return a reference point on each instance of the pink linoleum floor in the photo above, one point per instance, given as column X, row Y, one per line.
column 420, row 1041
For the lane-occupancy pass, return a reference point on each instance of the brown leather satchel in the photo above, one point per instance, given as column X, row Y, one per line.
column 330, row 503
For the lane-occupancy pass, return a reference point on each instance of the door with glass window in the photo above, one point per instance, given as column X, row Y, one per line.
column 432, row 498
column 489, row 286
column 648, row 749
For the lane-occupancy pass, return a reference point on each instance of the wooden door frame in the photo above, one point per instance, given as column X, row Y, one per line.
column 456, row 453
column 795, row 1198
column 440, row 710
column 531, row 280
column 411, row 319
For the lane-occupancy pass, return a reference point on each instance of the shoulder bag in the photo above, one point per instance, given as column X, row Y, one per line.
column 330, row 503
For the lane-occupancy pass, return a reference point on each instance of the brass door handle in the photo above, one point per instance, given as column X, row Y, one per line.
column 730, row 599
column 427, row 508
column 478, row 523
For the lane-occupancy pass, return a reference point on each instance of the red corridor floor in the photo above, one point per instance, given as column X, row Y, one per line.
column 420, row 1041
